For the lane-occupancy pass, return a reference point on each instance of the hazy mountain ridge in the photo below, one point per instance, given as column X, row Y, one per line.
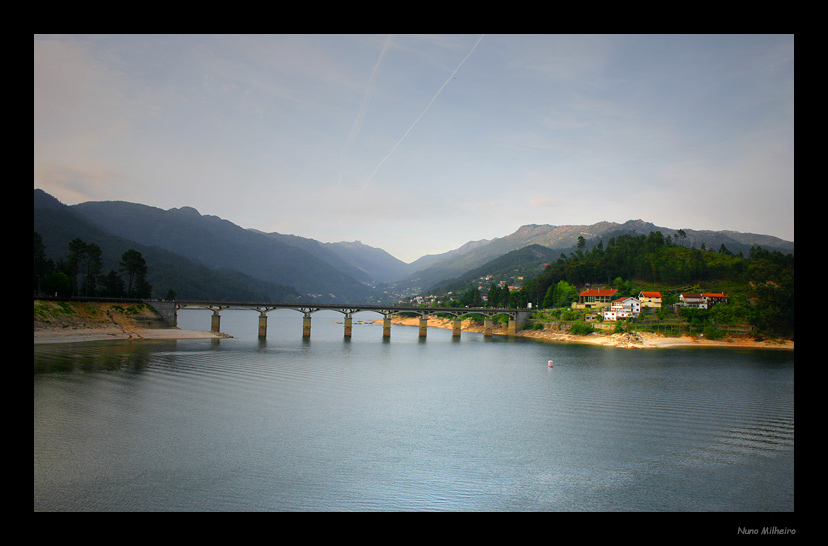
column 347, row 272
column 529, row 260
column 450, row 266
column 58, row 225
column 362, row 262
column 564, row 239
column 221, row 244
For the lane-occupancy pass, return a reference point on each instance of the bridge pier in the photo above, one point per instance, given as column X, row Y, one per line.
column 456, row 325
column 488, row 326
column 386, row 325
column 349, row 324
column 262, row 324
column 520, row 319
column 306, row 324
column 215, row 322
column 423, row 325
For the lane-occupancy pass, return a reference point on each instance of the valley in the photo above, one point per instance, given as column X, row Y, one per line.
column 206, row 257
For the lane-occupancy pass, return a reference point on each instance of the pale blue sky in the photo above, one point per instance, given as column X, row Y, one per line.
column 418, row 144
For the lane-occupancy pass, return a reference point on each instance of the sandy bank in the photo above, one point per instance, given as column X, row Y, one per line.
column 74, row 335
column 637, row 340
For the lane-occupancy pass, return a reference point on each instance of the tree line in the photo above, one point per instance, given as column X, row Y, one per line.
column 79, row 274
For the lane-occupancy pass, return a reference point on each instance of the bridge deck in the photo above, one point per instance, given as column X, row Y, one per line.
column 210, row 304
column 516, row 316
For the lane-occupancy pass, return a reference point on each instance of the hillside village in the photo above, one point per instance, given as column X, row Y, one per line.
column 619, row 306
column 641, row 282
column 611, row 309
column 604, row 303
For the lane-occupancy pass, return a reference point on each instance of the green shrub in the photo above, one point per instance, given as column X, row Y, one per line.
column 710, row 332
column 581, row 329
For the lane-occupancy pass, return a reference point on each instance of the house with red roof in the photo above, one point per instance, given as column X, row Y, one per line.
column 702, row 300
column 714, row 297
column 649, row 299
column 594, row 298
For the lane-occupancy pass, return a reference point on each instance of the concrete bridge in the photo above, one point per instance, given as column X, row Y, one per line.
column 517, row 317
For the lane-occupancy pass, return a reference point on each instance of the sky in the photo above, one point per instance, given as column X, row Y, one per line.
column 417, row 144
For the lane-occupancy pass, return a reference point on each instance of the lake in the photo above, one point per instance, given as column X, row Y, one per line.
column 406, row 424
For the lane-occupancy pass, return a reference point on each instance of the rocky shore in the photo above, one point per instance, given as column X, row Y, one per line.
column 635, row 340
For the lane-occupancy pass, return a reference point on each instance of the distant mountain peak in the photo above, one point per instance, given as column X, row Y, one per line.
column 44, row 200
column 186, row 210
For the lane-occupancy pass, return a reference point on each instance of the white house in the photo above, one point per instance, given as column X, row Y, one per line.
column 693, row 300
column 623, row 308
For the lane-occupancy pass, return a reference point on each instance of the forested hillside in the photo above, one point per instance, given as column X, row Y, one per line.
column 760, row 286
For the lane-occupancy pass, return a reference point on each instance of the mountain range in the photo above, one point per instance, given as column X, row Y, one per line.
column 207, row 257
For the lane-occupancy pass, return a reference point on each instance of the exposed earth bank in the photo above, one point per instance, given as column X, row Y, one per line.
column 635, row 340
column 64, row 322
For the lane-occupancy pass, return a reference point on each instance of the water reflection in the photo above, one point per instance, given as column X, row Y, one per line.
column 327, row 423
column 97, row 356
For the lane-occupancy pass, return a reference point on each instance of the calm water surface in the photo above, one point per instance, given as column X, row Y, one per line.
column 367, row 424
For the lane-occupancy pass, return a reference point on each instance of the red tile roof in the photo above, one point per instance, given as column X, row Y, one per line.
column 651, row 294
column 598, row 292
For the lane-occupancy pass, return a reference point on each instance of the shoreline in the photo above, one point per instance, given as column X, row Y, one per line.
column 43, row 336
column 635, row 340
column 74, row 322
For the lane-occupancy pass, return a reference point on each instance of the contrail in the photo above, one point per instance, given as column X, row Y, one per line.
column 364, row 106
column 370, row 178
column 355, row 128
